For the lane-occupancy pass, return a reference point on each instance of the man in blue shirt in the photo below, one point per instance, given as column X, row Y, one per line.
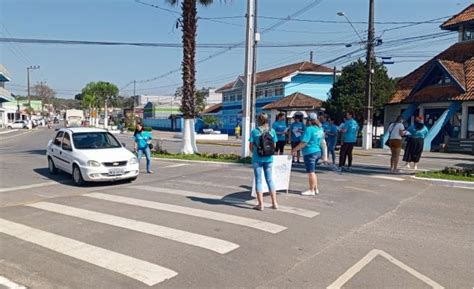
column 349, row 131
column 311, row 147
column 281, row 130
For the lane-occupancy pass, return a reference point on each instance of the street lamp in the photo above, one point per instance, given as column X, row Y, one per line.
column 31, row 67
column 343, row 14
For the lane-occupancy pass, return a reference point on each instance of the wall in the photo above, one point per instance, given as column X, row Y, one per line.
column 163, row 124
column 317, row 86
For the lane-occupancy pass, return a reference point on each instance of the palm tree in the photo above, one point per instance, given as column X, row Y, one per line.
column 188, row 101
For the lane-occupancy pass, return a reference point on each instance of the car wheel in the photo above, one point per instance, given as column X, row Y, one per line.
column 9, row 127
column 77, row 176
column 51, row 167
column 132, row 179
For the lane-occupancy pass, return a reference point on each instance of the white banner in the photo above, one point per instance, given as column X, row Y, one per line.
column 281, row 173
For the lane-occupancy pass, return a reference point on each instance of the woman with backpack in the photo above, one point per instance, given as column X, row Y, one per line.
column 311, row 147
column 142, row 145
column 262, row 144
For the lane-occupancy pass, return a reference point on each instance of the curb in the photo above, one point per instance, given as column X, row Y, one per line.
column 448, row 183
column 203, row 162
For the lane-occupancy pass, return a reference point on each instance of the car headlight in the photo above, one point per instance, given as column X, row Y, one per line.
column 133, row 161
column 93, row 164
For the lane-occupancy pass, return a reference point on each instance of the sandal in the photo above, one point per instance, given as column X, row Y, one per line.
column 275, row 207
column 258, row 208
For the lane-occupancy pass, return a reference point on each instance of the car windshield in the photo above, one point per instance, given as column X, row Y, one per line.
column 94, row 140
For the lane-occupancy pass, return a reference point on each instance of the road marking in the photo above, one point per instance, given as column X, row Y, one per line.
column 175, row 166
column 140, row 270
column 8, row 131
column 9, row 284
column 230, row 200
column 209, row 243
column 388, row 178
column 4, row 138
column 362, row 190
column 3, row 190
column 351, row 272
column 226, row 218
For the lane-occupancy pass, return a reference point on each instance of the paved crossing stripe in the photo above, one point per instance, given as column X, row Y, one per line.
column 143, row 271
column 209, row 243
column 284, row 209
column 226, row 218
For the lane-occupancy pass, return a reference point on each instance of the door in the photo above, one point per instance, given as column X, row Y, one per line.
column 55, row 150
column 66, row 153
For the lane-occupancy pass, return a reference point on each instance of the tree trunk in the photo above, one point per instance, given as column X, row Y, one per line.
column 106, row 115
column 188, row 100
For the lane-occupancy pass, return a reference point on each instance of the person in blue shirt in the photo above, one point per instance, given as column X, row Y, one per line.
column 416, row 136
column 296, row 132
column 264, row 163
column 331, row 138
column 142, row 145
column 281, row 130
column 311, row 148
column 349, row 130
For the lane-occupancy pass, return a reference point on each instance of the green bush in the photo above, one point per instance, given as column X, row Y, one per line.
column 465, row 172
column 148, row 128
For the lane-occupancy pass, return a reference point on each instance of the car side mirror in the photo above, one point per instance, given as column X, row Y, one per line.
column 124, row 144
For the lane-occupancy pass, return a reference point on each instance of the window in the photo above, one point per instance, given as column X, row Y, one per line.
column 279, row 90
column 232, row 96
column 226, row 98
column 259, row 93
column 269, row 92
column 58, row 139
column 95, row 140
column 239, row 96
column 445, row 80
column 468, row 33
column 67, row 142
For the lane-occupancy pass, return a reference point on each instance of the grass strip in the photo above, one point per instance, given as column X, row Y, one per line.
column 445, row 176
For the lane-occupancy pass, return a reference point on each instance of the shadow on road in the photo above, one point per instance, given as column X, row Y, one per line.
column 66, row 179
column 231, row 203
column 35, row 152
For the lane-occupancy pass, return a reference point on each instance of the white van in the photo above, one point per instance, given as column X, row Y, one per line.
column 74, row 118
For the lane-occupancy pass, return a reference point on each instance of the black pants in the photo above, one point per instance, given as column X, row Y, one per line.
column 280, row 146
column 346, row 152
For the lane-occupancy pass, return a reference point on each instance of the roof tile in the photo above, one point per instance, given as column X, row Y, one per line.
column 296, row 100
column 467, row 15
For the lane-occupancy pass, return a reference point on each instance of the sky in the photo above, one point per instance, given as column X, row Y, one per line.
column 68, row 68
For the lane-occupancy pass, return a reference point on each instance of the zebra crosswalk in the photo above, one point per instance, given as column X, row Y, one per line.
column 145, row 271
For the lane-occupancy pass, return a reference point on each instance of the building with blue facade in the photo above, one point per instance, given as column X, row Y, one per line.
column 271, row 85
column 442, row 91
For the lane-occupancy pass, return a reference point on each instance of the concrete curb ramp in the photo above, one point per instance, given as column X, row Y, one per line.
column 448, row 183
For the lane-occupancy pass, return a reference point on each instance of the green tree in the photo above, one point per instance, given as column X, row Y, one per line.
column 188, row 23
column 348, row 93
column 100, row 94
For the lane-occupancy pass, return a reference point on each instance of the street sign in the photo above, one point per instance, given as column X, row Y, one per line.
column 281, row 173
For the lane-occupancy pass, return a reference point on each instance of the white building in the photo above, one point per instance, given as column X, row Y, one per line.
column 6, row 114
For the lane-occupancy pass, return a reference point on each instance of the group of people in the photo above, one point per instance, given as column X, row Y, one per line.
column 415, row 135
column 314, row 140
column 295, row 131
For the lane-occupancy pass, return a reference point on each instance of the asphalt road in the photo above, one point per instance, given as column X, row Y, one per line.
column 188, row 226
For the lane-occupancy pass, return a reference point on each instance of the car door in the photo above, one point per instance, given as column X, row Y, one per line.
column 55, row 150
column 66, row 153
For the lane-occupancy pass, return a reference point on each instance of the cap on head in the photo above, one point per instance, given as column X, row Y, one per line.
column 419, row 119
column 312, row 116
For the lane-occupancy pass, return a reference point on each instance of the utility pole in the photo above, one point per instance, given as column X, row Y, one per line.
column 311, row 56
column 31, row 67
column 134, row 98
column 368, row 117
column 253, row 106
column 249, row 63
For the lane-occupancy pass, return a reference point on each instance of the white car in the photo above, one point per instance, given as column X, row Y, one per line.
column 18, row 124
column 90, row 155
